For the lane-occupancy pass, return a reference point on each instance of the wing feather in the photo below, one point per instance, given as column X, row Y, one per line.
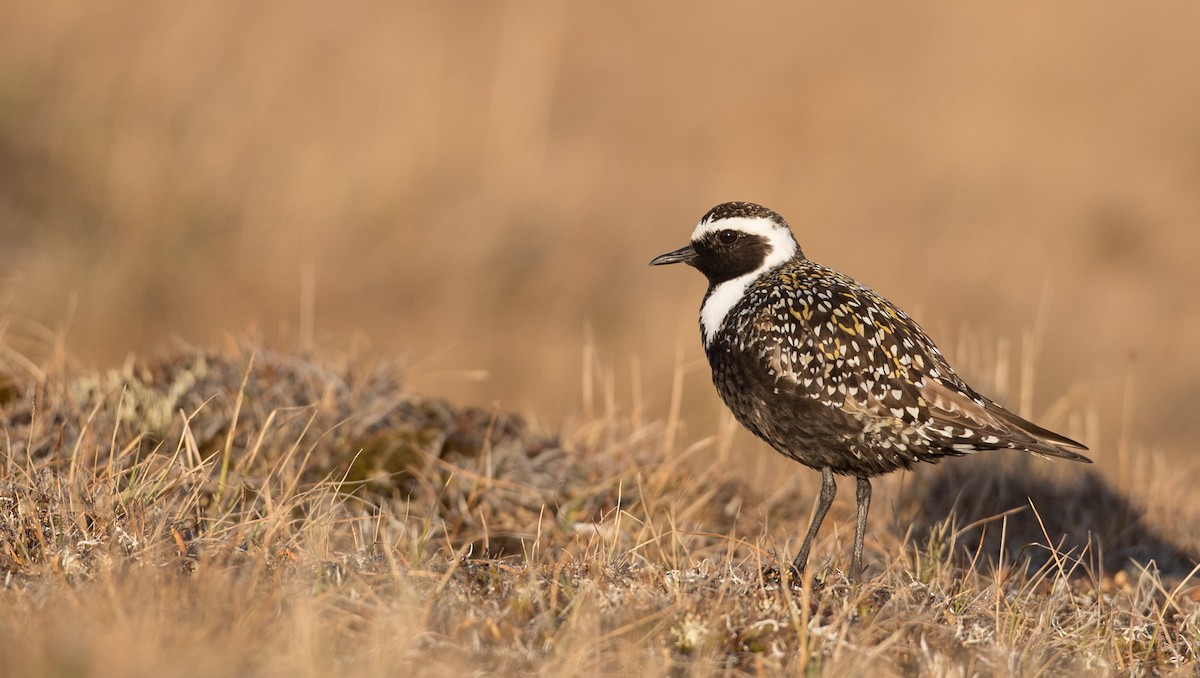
column 837, row 341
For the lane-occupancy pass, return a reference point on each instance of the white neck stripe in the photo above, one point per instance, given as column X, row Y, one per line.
column 720, row 302
column 781, row 247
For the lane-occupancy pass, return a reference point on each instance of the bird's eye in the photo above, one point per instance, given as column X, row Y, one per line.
column 727, row 237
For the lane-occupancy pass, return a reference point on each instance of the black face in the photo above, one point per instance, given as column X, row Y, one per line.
column 726, row 254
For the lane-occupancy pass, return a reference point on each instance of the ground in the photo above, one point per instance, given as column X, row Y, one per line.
column 243, row 510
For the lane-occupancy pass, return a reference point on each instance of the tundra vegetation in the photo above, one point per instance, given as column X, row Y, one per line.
column 246, row 510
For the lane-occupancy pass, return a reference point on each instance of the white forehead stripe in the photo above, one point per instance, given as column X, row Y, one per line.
column 782, row 246
column 753, row 225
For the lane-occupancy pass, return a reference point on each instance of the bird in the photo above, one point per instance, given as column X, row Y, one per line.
column 828, row 372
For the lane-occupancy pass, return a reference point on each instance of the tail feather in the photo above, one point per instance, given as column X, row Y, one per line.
column 1042, row 441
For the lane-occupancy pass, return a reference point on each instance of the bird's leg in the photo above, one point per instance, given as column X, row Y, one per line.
column 828, row 489
column 860, row 530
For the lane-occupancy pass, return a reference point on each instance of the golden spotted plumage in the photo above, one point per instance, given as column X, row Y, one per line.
column 827, row 371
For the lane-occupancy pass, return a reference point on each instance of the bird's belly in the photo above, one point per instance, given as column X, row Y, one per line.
column 814, row 433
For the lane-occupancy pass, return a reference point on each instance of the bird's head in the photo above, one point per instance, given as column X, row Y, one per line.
column 735, row 239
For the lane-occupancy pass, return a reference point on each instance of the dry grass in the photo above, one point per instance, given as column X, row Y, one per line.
column 249, row 511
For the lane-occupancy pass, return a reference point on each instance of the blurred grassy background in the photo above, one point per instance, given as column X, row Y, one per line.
column 475, row 185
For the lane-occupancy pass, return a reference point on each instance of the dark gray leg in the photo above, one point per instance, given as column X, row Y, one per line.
column 828, row 489
column 860, row 530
